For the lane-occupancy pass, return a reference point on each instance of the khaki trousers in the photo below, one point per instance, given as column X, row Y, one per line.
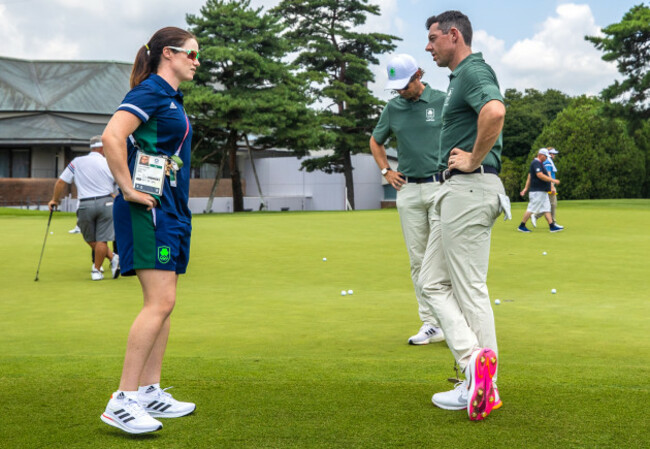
column 455, row 265
column 415, row 206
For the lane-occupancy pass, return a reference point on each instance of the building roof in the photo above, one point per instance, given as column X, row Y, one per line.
column 58, row 102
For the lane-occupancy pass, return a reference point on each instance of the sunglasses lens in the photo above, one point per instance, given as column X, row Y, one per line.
column 193, row 55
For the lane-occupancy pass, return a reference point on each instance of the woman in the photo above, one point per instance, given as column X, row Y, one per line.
column 152, row 218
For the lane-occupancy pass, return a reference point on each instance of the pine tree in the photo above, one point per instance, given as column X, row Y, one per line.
column 244, row 93
column 628, row 43
column 336, row 60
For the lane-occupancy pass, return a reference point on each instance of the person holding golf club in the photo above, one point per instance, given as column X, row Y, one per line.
column 152, row 218
column 95, row 190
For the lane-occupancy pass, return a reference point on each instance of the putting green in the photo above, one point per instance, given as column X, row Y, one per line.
column 274, row 356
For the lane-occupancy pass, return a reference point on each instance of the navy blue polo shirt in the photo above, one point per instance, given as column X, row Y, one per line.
column 536, row 184
column 165, row 129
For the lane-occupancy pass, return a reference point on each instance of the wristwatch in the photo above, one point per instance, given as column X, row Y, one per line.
column 385, row 170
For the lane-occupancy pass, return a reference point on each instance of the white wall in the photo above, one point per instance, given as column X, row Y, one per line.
column 281, row 177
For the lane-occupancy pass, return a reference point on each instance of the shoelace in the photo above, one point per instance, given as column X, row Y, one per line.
column 134, row 408
column 162, row 392
column 462, row 387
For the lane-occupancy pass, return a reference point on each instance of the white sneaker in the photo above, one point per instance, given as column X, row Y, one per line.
column 455, row 399
column 115, row 266
column 96, row 275
column 76, row 230
column 533, row 220
column 128, row 415
column 160, row 404
column 427, row 334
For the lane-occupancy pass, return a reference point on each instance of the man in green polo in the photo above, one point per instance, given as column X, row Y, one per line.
column 466, row 207
column 414, row 117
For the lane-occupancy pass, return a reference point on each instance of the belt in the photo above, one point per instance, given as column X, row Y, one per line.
column 412, row 180
column 92, row 198
column 445, row 175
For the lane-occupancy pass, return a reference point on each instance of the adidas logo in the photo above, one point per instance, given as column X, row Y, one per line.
column 151, row 389
column 123, row 415
column 172, row 106
column 159, row 406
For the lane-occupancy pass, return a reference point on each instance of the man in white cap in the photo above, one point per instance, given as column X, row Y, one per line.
column 414, row 118
column 95, row 189
column 549, row 165
column 539, row 183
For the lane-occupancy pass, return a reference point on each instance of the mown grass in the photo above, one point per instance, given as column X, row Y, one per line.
column 275, row 357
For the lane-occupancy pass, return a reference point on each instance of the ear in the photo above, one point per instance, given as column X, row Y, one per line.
column 166, row 53
column 455, row 35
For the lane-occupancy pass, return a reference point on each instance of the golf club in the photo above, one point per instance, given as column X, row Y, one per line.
column 44, row 240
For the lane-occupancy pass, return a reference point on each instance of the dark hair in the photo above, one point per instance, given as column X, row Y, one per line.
column 456, row 19
column 148, row 57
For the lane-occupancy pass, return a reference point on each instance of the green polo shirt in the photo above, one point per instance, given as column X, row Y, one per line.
column 471, row 85
column 416, row 125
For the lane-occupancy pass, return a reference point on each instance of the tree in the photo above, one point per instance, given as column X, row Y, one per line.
column 628, row 43
column 527, row 114
column 598, row 158
column 244, row 93
column 642, row 139
column 511, row 175
column 336, row 60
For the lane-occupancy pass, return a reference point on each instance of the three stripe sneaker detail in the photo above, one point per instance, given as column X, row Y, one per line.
column 128, row 415
column 160, row 404
column 481, row 393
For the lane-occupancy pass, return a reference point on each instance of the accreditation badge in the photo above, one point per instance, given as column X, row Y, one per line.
column 149, row 173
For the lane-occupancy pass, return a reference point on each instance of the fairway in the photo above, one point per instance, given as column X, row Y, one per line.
column 275, row 357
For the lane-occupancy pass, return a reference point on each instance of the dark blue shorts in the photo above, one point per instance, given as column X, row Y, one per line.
column 150, row 239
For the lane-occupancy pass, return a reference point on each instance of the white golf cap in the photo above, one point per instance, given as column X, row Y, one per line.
column 400, row 69
column 553, row 151
column 96, row 142
column 543, row 151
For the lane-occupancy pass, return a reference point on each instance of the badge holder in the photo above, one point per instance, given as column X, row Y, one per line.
column 149, row 173
column 174, row 164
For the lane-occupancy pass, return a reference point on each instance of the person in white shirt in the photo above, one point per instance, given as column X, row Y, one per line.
column 95, row 190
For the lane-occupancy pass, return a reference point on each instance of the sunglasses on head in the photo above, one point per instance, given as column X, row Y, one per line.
column 191, row 54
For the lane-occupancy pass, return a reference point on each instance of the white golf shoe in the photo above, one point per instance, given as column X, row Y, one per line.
column 160, row 404
column 427, row 334
column 96, row 275
column 129, row 416
column 115, row 266
column 455, row 399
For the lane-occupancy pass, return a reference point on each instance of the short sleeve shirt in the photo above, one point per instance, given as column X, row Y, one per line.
column 536, row 184
column 416, row 125
column 91, row 176
column 549, row 168
column 166, row 130
column 472, row 84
